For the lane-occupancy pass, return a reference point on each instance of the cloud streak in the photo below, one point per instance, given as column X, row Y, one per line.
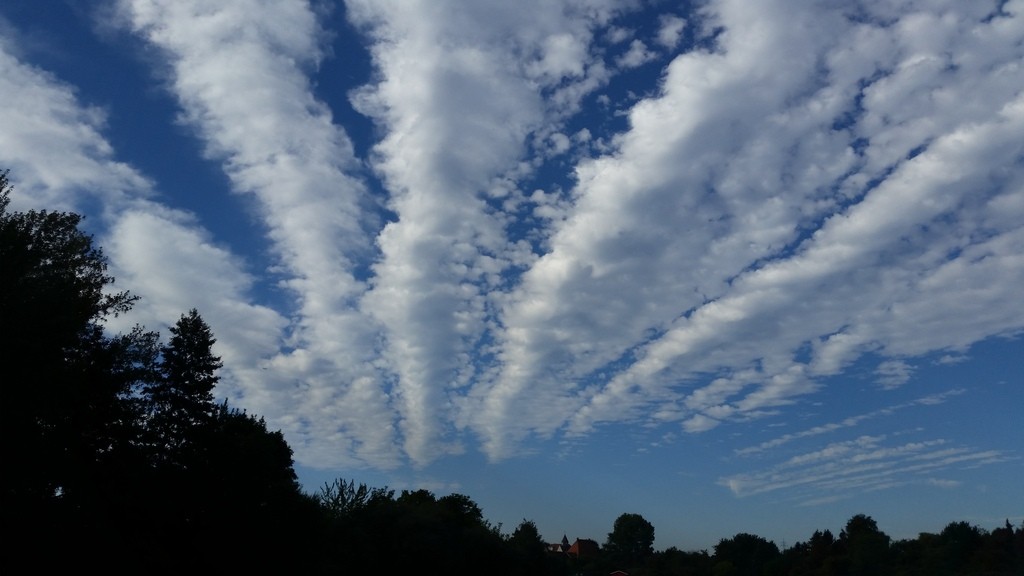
column 850, row 422
column 241, row 77
column 867, row 463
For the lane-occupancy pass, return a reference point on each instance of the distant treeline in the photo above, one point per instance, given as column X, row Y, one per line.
column 116, row 457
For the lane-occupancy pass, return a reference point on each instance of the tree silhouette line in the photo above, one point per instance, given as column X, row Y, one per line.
column 117, row 457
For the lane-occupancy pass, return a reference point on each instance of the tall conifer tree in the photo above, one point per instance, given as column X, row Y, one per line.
column 181, row 400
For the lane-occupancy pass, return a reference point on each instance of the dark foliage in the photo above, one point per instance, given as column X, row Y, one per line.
column 180, row 401
column 529, row 552
column 629, row 544
column 68, row 422
column 116, row 456
column 744, row 555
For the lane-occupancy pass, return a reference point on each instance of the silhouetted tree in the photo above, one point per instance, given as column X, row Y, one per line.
column 245, row 485
column 340, row 499
column 675, row 562
column 52, row 299
column 68, row 392
column 814, row 557
column 630, row 542
column 528, row 549
column 744, row 555
column 864, row 548
column 1003, row 550
column 181, row 401
column 960, row 542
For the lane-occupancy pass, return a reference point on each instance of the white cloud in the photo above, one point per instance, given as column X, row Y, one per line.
column 168, row 262
column 637, row 55
column 671, row 31
column 893, row 373
column 619, row 34
column 54, row 145
column 700, row 423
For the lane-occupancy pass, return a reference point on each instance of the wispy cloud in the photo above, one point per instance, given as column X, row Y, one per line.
column 867, row 463
column 893, row 373
column 851, row 421
column 637, row 55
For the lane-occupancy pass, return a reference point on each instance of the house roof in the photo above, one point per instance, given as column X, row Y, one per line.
column 584, row 547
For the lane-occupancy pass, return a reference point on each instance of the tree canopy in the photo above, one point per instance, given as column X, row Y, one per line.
column 66, row 383
column 115, row 438
column 181, row 404
column 631, row 539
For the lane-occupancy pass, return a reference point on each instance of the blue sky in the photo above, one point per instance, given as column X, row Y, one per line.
column 732, row 266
